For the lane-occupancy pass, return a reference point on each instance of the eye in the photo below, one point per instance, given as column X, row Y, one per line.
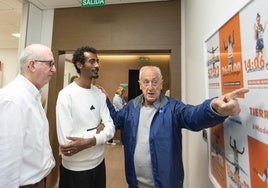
column 93, row 61
column 154, row 82
column 146, row 82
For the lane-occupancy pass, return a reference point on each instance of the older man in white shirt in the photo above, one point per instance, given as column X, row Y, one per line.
column 25, row 152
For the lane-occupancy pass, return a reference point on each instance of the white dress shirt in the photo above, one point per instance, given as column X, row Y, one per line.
column 25, row 152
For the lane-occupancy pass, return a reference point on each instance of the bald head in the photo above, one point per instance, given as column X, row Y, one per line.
column 37, row 64
column 32, row 52
column 152, row 68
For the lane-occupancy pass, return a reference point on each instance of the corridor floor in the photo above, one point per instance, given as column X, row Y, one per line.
column 115, row 171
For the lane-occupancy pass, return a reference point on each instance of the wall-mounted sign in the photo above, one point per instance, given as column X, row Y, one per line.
column 144, row 59
column 93, row 3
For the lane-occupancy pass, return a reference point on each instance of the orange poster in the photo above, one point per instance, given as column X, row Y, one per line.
column 258, row 153
column 231, row 55
column 218, row 154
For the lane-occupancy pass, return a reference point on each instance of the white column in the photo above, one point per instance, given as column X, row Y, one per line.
column 36, row 27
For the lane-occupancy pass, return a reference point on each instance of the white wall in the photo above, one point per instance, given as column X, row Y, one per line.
column 10, row 59
column 201, row 19
column 36, row 27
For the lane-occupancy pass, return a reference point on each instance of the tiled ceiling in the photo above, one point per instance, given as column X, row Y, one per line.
column 11, row 10
column 10, row 13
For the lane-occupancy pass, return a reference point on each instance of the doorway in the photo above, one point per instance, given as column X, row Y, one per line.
column 133, row 85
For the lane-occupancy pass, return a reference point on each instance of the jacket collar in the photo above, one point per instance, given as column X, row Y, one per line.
column 159, row 104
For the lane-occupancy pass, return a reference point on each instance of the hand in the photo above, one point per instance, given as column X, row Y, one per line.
column 76, row 145
column 100, row 128
column 227, row 105
column 103, row 90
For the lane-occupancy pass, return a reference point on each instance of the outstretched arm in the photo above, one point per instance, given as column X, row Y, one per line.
column 227, row 105
column 114, row 114
column 231, row 143
column 255, row 32
column 241, row 152
column 264, row 25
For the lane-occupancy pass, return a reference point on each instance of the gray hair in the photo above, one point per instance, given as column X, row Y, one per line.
column 31, row 52
column 157, row 69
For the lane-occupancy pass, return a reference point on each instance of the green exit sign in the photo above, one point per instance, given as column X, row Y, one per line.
column 93, row 3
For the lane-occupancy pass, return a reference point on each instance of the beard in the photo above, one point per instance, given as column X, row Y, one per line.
column 95, row 73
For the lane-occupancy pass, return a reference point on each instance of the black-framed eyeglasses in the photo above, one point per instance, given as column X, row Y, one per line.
column 50, row 63
column 92, row 61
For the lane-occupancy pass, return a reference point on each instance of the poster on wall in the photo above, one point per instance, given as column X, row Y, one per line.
column 236, row 57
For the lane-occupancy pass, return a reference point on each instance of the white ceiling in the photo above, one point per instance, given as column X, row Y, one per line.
column 10, row 14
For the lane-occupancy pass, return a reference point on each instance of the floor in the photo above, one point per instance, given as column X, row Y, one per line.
column 115, row 171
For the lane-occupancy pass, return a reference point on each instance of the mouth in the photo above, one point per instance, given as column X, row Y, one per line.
column 95, row 71
column 150, row 94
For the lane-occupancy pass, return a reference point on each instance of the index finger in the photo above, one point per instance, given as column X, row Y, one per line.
column 234, row 94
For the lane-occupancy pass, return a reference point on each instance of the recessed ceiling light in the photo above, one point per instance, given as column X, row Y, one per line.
column 16, row 35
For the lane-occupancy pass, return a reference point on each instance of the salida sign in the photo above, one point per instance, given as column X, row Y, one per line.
column 93, row 3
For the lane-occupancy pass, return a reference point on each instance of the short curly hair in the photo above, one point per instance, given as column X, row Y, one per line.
column 78, row 55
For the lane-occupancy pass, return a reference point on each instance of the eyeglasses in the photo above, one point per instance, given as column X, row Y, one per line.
column 50, row 63
column 92, row 61
column 153, row 82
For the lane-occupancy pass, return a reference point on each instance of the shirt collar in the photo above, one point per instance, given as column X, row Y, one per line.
column 29, row 86
column 156, row 104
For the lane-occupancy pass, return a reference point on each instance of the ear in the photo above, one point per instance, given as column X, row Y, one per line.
column 162, row 81
column 79, row 65
column 31, row 66
column 140, row 85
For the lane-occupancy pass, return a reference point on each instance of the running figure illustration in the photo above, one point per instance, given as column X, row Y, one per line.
column 229, row 47
column 258, row 35
column 235, row 163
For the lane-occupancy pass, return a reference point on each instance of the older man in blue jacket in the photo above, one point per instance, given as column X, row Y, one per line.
column 152, row 126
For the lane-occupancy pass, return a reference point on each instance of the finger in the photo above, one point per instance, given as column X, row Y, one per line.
column 234, row 94
column 71, row 138
column 64, row 150
column 67, row 153
column 63, row 147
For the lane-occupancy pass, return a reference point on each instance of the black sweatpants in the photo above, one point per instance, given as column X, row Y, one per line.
column 93, row 178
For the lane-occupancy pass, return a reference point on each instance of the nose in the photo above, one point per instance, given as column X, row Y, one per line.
column 150, row 85
column 53, row 69
column 96, row 64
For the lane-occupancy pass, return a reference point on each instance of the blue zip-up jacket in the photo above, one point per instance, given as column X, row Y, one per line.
column 165, row 137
